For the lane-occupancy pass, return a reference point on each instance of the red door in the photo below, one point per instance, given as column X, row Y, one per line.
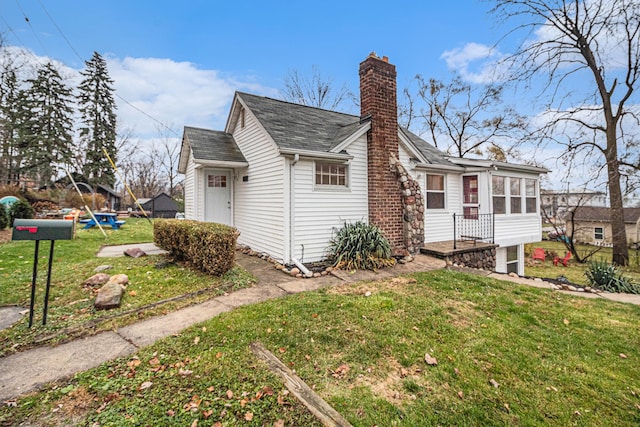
column 470, row 196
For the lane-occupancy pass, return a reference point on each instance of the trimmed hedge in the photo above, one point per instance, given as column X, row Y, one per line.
column 208, row 247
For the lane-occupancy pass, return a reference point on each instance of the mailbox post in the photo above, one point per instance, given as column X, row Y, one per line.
column 41, row 229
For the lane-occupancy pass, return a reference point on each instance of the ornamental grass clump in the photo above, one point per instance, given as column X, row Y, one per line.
column 607, row 277
column 360, row 246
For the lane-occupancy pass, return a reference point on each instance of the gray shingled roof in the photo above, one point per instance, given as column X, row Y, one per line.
column 301, row 127
column 213, row 145
column 601, row 214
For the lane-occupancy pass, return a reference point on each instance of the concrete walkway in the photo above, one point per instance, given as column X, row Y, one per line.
column 28, row 370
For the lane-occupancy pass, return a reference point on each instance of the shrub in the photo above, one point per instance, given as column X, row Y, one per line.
column 208, row 247
column 360, row 246
column 4, row 220
column 607, row 277
column 20, row 209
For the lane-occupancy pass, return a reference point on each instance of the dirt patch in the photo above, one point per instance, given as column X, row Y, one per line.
column 391, row 387
column 462, row 313
column 396, row 284
column 5, row 235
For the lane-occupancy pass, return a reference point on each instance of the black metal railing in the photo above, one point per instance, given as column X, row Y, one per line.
column 473, row 227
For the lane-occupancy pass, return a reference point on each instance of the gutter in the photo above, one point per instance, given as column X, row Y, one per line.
column 314, row 154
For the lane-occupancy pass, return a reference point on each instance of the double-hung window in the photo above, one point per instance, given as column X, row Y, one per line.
column 515, row 195
column 530, row 195
column 598, row 233
column 498, row 193
column 435, row 192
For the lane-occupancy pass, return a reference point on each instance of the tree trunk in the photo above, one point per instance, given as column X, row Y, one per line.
column 618, row 231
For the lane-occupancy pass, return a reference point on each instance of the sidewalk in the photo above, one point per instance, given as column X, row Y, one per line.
column 28, row 370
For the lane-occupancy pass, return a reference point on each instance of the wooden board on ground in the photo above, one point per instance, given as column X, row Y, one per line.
column 322, row 410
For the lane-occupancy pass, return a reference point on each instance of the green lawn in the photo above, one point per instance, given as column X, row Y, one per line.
column 71, row 311
column 575, row 271
column 557, row 360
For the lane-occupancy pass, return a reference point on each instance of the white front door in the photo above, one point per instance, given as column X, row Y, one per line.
column 217, row 207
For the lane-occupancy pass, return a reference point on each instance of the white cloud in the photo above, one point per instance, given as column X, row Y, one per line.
column 174, row 93
column 476, row 63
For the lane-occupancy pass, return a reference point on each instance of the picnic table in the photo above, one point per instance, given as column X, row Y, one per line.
column 105, row 219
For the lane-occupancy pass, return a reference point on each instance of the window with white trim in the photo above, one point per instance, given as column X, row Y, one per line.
column 498, row 193
column 531, row 195
column 435, row 191
column 512, row 259
column 598, row 233
column 331, row 174
column 515, row 195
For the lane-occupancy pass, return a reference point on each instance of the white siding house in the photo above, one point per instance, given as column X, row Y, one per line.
column 287, row 176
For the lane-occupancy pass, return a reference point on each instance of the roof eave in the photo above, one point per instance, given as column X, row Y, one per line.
column 201, row 163
column 315, row 154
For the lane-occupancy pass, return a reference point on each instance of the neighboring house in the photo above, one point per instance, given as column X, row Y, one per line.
column 592, row 225
column 111, row 197
column 287, row 176
column 159, row 206
column 555, row 204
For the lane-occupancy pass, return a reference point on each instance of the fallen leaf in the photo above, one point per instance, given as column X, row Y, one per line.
column 460, row 394
column 415, row 328
column 207, row 414
column 430, row 360
column 456, row 371
column 194, row 423
column 185, row 372
column 577, row 413
column 218, row 355
column 314, row 315
column 248, row 416
column 623, row 356
column 494, row 383
column 196, row 340
column 210, row 389
column 217, row 424
column 171, row 412
column 279, row 423
column 268, row 390
column 154, row 361
column 565, row 321
column 229, row 394
column 133, row 293
column 341, row 371
column 306, row 356
column 506, row 405
column 403, row 373
column 145, row 385
column 204, row 329
column 282, row 349
column 133, row 363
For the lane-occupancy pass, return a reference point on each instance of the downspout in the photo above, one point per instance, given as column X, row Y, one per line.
column 303, row 269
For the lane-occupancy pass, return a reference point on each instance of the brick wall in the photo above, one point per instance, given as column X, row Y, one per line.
column 378, row 99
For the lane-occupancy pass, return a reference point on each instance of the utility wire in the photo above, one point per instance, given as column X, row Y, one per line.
column 28, row 21
column 81, row 59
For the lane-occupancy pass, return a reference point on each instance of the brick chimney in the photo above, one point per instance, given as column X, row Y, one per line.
column 378, row 99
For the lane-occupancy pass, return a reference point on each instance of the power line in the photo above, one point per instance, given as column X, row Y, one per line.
column 81, row 59
column 28, row 21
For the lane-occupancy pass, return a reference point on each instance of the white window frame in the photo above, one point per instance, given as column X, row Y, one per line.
column 330, row 186
column 595, row 233
column 512, row 197
column 513, row 262
column 443, row 192
column 502, row 195
column 527, row 197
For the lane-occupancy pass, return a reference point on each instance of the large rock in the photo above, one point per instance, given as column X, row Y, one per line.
column 109, row 296
column 135, row 252
column 97, row 280
column 119, row 279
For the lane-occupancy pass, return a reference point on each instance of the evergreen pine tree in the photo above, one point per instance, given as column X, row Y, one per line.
column 98, row 129
column 10, row 150
column 47, row 127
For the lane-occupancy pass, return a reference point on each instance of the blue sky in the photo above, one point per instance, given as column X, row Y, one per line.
column 249, row 46
column 180, row 62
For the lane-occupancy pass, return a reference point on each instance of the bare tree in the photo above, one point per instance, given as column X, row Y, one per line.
column 315, row 90
column 588, row 54
column 168, row 151
column 464, row 120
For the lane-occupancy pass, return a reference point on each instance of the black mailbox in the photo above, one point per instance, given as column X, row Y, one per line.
column 42, row 229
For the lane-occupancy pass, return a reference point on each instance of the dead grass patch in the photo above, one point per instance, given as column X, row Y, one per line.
column 390, row 388
column 395, row 284
column 463, row 313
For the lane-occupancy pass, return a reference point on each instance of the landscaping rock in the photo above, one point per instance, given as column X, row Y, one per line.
column 294, row 272
column 135, row 252
column 102, row 268
column 109, row 296
column 97, row 280
column 119, row 279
